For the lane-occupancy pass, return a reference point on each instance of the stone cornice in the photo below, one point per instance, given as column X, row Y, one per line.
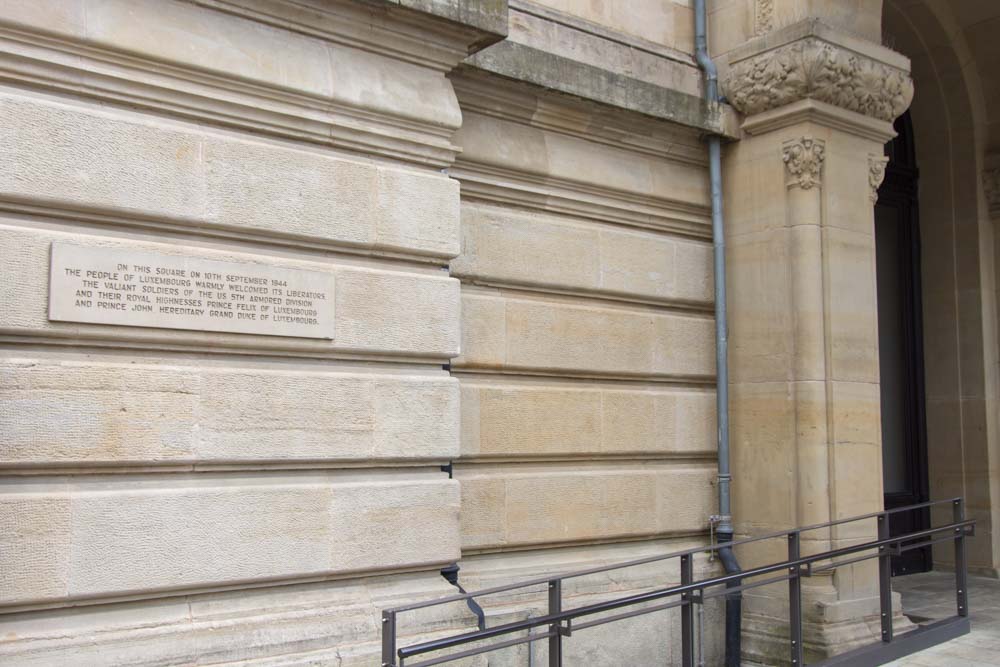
column 484, row 93
column 540, row 68
column 815, row 67
column 311, row 90
column 821, row 113
column 436, row 33
column 500, row 185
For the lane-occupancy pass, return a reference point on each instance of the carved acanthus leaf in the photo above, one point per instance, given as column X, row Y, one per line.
column 876, row 174
column 803, row 161
column 814, row 69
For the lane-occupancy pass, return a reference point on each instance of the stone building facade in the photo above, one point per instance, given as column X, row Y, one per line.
column 509, row 361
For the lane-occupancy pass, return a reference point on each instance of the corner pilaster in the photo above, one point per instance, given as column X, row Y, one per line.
column 806, row 428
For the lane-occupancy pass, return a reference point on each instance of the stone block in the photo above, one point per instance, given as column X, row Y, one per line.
column 523, row 145
column 650, row 20
column 332, row 622
column 88, row 538
column 760, row 317
column 730, row 24
column 137, row 166
column 851, row 309
column 563, row 337
column 529, row 421
column 417, row 210
column 856, row 413
column 484, row 330
column 507, row 245
column 376, row 312
column 532, row 151
column 558, row 504
column 107, row 412
column 845, row 177
column 755, row 177
column 763, row 427
column 512, row 246
column 56, row 15
column 517, row 420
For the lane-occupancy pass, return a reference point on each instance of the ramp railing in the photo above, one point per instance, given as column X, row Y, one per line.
column 559, row 622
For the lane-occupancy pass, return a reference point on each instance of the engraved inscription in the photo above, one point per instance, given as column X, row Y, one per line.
column 145, row 289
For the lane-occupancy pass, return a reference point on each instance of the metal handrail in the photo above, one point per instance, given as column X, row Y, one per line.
column 560, row 622
column 652, row 559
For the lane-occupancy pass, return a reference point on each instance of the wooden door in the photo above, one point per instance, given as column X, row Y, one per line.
column 904, row 443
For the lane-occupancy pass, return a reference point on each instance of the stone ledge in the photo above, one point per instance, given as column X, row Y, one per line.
column 486, row 16
column 94, row 539
column 74, row 416
column 519, row 505
column 334, row 622
column 580, row 24
column 546, row 70
column 276, row 76
column 814, row 27
column 516, row 420
column 107, row 160
column 505, row 246
column 559, row 336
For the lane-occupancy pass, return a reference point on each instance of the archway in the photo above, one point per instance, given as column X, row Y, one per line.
column 955, row 304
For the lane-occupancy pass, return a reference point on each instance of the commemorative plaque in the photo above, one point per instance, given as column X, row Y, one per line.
column 146, row 289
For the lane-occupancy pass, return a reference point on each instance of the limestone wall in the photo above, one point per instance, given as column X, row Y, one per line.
column 164, row 493
column 587, row 365
column 538, row 312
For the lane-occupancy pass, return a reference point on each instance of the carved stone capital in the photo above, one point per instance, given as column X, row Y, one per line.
column 991, row 187
column 803, row 161
column 876, row 174
column 812, row 68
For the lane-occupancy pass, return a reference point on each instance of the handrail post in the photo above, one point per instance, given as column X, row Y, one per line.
column 388, row 639
column 884, row 579
column 555, row 607
column 795, row 602
column 687, row 614
column 961, row 566
column 692, row 592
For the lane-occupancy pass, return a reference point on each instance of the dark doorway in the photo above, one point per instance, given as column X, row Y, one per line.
column 901, row 353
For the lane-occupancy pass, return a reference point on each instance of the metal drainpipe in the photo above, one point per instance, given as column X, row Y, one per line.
column 734, row 601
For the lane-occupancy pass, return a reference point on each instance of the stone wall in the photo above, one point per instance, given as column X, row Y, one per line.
column 169, row 494
column 518, row 373
column 587, row 366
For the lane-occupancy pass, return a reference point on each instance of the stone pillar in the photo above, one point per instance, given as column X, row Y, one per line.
column 804, row 345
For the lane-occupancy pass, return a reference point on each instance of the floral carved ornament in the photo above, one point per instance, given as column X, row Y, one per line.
column 763, row 21
column 803, row 161
column 814, row 69
column 876, row 174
